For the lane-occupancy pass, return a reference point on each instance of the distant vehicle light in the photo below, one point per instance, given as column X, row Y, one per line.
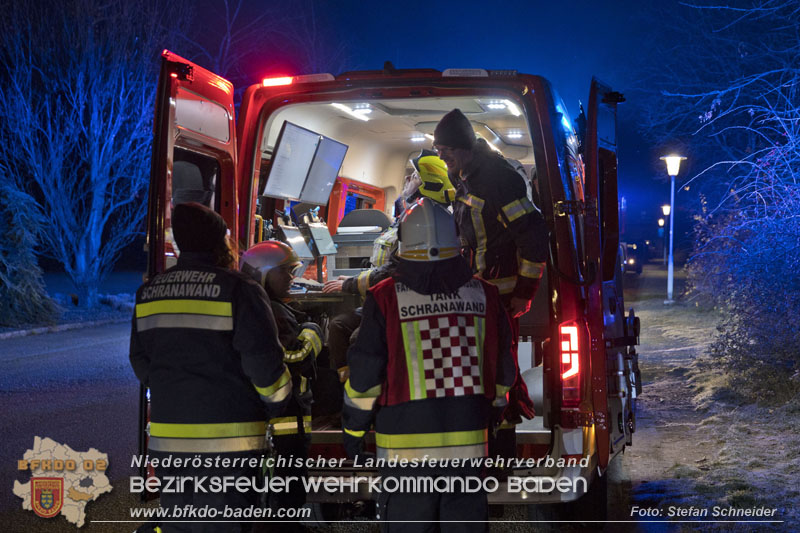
column 631, row 261
column 274, row 82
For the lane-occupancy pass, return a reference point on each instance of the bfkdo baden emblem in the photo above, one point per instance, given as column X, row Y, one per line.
column 47, row 495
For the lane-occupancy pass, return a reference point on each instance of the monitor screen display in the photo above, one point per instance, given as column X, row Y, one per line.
column 291, row 161
column 296, row 240
column 324, row 169
column 322, row 238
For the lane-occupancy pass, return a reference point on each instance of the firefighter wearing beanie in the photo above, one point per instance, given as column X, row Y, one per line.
column 198, row 344
column 501, row 231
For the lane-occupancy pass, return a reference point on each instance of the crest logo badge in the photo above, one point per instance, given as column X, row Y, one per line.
column 47, row 495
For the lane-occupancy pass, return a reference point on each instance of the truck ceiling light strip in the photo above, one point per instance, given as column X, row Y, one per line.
column 344, row 108
column 465, row 73
column 512, row 107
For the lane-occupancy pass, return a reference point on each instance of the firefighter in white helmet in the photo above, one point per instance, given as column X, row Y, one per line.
column 430, row 367
column 273, row 264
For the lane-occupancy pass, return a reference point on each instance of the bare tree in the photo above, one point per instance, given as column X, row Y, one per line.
column 77, row 94
column 730, row 88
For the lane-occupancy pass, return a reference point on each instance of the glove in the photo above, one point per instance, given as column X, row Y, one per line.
column 519, row 403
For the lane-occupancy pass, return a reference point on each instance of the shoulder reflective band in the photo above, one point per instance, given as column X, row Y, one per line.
column 195, row 314
column 529, row 269
column 208, row 431
column 279, row 390
column 517, row 208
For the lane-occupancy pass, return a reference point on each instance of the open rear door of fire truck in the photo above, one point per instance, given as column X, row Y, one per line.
column 193, row 160
column 602, row 242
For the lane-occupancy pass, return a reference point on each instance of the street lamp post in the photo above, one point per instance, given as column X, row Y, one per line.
column 665, row 210
column 673, row 166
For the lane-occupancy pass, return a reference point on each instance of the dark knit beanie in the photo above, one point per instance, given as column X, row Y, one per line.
column 197, row 228
column 454, row 130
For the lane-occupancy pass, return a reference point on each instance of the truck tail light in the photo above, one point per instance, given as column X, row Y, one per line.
column 572, row 337
column 274, row 82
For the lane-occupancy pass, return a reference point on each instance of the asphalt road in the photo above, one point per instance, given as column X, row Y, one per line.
column 77, row 388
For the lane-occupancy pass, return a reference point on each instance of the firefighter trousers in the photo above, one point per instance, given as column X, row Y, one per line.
column 409, row 511
column 194, row 504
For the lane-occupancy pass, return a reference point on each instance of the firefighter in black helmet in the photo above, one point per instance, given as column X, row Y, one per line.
column 504, row 234
column 273, row 265
column 204, row 341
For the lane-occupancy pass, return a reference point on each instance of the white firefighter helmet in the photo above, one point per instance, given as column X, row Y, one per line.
column 264, row 256
column 427, row 232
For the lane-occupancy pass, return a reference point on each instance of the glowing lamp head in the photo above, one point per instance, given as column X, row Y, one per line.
column 665, row 209
column 660, row 222
column 673, row 163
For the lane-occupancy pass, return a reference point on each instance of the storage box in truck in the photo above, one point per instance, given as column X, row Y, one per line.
column 330, row 152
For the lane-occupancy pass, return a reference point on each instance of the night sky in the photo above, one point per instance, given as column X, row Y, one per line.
column 566, row 42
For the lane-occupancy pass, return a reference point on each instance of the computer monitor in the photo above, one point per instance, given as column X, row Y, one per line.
column 323, row 171
column 322, row 239
column 291, row 160
column 296, row 240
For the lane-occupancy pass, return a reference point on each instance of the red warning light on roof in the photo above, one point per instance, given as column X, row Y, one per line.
column 274, row 82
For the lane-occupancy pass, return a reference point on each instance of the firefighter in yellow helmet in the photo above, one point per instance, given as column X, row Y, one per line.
column 273, row 265
column 430, row 173
column 430, row 367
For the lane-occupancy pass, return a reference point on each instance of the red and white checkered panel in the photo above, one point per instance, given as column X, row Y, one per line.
column 450, row 356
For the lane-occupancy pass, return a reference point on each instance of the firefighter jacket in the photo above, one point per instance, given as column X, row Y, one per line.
column 427, row 366
column 302, row 343
column 198, row 342
column 504, row 231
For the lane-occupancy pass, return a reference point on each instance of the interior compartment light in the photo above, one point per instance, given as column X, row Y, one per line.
column 352, row 113
column 514, row 135
column 512, row 107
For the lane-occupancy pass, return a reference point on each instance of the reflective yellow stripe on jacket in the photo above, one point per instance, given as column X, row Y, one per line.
column 363, row 401
column 195, row 314
column 279, row 390
column 454, row 444
column 476, row 214
column 204, row 438
column 287, row 425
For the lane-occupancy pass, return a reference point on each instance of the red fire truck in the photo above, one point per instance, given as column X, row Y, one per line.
column 577, row 352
